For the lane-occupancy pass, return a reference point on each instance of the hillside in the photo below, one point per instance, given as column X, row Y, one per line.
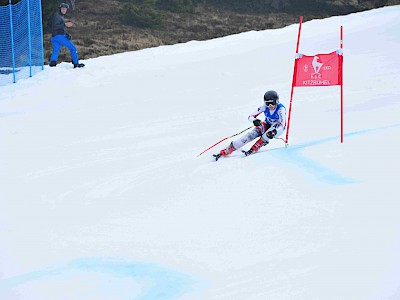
column 103, row 196
column 99, row 31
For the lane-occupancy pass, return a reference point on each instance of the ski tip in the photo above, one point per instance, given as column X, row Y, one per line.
column 217, row 156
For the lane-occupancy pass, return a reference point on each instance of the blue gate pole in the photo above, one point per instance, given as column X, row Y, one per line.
column 12, row 40
column 29, row 38
column 41, row 31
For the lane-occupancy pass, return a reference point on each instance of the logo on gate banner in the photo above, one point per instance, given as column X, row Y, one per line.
column 319, row 70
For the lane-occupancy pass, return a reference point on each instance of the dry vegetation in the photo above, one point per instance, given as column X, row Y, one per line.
column 98, row 30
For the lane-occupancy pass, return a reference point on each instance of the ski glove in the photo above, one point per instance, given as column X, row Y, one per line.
column 68, row 36
column 257, row 122
column 271, row 134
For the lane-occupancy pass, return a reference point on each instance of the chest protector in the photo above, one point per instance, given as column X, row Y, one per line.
column 274, row 117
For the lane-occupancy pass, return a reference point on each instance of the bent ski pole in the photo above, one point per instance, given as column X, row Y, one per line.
column 224, row 140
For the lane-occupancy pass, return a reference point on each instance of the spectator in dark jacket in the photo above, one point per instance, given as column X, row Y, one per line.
column 60, row 37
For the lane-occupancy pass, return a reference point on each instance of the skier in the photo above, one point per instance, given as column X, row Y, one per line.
column 60, row 37
column 274, row 125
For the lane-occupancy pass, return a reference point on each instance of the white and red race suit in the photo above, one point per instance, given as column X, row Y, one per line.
column 274, row 120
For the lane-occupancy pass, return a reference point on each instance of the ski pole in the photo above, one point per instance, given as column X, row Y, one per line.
column 285, row 141
column 224, row 140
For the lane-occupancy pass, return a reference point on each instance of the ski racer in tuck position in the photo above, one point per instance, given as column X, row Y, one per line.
column 272, row 127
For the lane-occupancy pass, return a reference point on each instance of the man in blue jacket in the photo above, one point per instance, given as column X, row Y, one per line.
column 60, row 37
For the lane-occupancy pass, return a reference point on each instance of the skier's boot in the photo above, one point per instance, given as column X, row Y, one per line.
column 53, row 63
column 257, row 145
column 79, row 65
column 225, row 152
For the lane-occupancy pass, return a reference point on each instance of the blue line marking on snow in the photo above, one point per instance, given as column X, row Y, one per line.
column 158, row 282
column 323, row 173
column 293, row 154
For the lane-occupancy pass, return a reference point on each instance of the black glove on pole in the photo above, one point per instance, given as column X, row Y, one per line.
column 257, row 122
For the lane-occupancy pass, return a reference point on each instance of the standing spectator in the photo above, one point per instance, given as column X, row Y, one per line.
column 60, row 37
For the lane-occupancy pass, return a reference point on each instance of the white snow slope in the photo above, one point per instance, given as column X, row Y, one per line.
column 103, row 195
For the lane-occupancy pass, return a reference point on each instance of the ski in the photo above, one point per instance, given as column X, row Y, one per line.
column 219, row 155
column 247, row 153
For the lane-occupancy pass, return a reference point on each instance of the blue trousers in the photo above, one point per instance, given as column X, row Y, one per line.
column 60, row 40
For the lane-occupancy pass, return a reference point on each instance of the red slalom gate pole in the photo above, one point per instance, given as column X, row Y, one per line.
column 294, row 74
column 341, row 86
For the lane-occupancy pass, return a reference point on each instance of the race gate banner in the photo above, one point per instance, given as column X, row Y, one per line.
column 318, row 70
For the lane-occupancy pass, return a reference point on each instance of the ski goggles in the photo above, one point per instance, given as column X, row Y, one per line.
column 270, row 102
